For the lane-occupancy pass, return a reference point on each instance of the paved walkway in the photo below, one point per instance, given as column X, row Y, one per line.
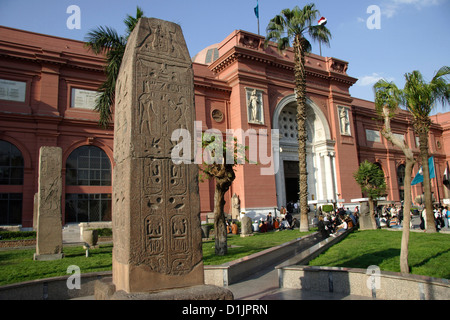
column 263, row 285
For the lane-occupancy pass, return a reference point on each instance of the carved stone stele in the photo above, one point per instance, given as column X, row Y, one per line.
column 156, row 206
column 48, row 225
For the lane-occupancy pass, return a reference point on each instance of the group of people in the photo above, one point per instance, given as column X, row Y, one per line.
column 391, row 216
column 285, row 222
column 334, row 223
column 270, row 223
column 441, row 217
column 331, row 224
column 232, row 227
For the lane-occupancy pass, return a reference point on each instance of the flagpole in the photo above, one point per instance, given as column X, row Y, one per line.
column 257, row 14
column 258, row 28
column 437, row 183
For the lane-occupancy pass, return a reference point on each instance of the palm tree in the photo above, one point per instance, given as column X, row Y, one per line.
column 419, row 98
column 292, row 25
column 105, row 40
column 387, row 100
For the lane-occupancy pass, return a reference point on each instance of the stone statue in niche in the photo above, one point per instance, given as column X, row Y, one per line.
column 344, row 121
column 235, row 206
column 255, row 106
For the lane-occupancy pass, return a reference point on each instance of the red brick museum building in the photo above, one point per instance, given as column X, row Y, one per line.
column 48, row 88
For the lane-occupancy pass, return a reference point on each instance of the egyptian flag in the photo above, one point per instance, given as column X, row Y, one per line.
column 419, row 176
column 446, row 180
column 322, row 21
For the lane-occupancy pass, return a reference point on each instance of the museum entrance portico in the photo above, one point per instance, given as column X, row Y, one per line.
column 320, row 158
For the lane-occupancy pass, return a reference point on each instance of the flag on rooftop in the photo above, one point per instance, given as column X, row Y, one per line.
column 257, row 10
column 322, row 21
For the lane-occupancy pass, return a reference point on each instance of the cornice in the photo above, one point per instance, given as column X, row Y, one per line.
column 335, row 73
column 41, row 56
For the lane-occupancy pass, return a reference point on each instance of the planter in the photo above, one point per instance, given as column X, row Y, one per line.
column 90, row 237
column 205, row 230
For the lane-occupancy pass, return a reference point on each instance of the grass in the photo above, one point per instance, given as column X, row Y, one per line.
column 241, row 247
column 429, row 254
column 18, row 265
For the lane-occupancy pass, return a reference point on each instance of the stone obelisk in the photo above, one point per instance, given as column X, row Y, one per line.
column 156, row 209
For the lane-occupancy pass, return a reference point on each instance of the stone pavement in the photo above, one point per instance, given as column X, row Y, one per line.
column 263, row 285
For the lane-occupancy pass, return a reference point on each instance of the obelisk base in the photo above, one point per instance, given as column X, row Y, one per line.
column 106, row 290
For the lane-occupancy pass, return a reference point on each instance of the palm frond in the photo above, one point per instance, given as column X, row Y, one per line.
column 387, row 94
column 320, row 33
column 103, row 39
column 440, row 86
column 295, row 23
column 106, row 40
column 131, row 21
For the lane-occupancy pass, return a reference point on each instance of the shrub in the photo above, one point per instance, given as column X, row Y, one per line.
column 16, row 235
column 327, row 208
column 104, row 232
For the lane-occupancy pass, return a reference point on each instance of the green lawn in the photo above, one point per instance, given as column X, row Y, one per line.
column 18, row 265
column 429, row 254
column 241, row 247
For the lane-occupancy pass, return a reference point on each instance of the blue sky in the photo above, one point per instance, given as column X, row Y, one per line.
column 412, row 35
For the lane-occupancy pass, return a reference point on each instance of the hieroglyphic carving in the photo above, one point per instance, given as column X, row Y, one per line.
column 160, row 216
column 166, row 227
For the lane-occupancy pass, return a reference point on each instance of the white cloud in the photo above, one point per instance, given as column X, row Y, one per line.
column 390, row 7
column 370, row 80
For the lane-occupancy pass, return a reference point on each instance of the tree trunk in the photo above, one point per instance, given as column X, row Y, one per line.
column 407, row 203
column 372, row 212
column 220, row 227
column 404, row 266
column 423, row 147
column 300, row 88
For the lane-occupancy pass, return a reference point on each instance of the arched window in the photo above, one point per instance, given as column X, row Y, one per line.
column 88, row 168
column 401, row 181
column 401, row 175
column 11, row 164
column 378, row 165
column 11, row 173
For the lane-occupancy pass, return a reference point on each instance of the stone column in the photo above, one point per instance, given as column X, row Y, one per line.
column 156, row 206
column 49, row 226
column 319, row 178
column 330, row 195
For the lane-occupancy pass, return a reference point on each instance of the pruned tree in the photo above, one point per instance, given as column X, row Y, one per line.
column 387, row 101
column 221, row 156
